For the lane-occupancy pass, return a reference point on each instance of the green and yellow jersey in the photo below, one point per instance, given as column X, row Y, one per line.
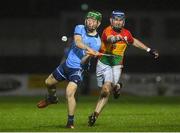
column 117, row 48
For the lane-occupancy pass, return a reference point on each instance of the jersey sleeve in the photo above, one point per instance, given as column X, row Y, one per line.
column 78, row 30
column 129, row 37
column 105, row 34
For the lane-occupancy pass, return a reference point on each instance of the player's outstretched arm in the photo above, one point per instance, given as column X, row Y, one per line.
column 79, row 43
column 141, row 45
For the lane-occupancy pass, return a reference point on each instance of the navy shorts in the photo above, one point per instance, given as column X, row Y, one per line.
column 63, row 72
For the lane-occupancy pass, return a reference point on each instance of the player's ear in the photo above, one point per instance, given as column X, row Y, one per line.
column 110, row 20
column 85, row 21
column 99, row 23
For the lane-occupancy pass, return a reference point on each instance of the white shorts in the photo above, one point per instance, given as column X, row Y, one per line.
column 108, row 73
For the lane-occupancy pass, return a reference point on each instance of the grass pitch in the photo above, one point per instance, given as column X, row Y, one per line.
column 125, row 114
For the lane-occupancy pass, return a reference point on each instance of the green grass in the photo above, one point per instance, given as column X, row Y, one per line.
column 125, row 114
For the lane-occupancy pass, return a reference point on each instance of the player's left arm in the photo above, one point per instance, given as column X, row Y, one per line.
column 141, row 45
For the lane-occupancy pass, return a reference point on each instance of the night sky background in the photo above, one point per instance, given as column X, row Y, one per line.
column 19, row 20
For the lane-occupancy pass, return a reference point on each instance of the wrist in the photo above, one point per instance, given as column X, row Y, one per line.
column 85, row 47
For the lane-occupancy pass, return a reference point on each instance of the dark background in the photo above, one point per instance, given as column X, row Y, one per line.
column 51, row 8
column 35, row 11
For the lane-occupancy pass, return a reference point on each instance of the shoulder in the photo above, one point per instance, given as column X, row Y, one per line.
column 107, row 30
column 126, row 31
column 128, row 34
column 79, row 29
column 80, row 26
column 98, row 37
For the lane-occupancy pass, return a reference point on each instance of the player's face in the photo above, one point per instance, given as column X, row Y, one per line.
column 91, row 24
column 117, row 22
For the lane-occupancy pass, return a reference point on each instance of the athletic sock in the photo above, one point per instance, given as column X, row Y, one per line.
column 70, row 120
column 52, row 92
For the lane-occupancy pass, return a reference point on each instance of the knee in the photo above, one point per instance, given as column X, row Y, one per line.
column 69, row 95
column 48, row 83
column 71, row 90
column 105, row 91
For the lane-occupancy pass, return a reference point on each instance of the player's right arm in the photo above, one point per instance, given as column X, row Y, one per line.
column 79, row 43
column 109, row 38
column 114, row 39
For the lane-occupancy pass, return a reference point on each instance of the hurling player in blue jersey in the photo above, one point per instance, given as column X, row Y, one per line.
column 86, row 43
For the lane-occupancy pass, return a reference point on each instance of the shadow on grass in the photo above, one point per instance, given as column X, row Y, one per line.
column 51, row 127
column 155, row 127
column 43, row 128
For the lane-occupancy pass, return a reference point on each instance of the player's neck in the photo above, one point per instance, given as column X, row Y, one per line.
column 92, row 33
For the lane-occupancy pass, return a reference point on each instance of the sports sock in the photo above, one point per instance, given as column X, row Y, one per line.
column 70, row 120
column 52, row 92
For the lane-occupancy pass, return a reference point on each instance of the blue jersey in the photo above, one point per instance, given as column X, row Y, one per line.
column 75, row 54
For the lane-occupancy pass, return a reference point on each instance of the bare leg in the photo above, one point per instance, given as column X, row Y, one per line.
column 70, row 92
column 51, row 85
column 104, row 96
column 51, row 98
